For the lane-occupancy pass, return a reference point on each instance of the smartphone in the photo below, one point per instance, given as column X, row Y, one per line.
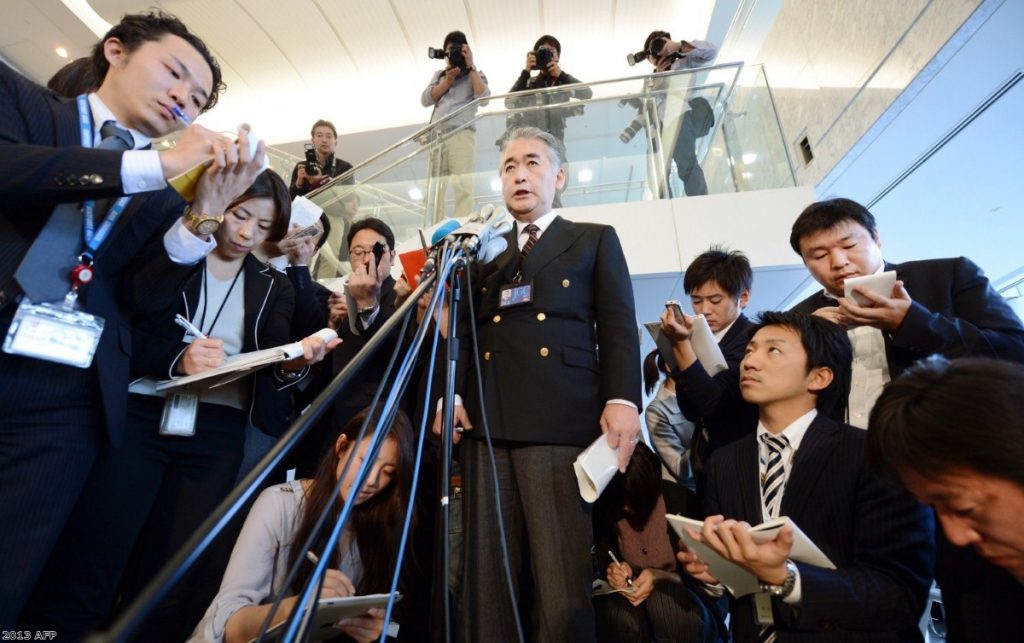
column 673, row 304
column 378, row 252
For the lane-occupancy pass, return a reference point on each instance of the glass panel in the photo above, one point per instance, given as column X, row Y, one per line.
column 709, row 130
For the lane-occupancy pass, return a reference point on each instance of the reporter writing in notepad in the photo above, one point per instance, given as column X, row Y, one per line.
column 284, row 516
column 175, row 466
column 803, row 465
column 635, row 546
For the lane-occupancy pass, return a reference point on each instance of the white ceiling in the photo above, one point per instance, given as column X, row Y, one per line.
column 362, row 63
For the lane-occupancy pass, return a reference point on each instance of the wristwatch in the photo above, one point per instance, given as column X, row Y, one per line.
column 786, row 588
column 202, row 223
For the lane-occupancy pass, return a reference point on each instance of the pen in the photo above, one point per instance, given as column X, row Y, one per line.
column 181, row 115
column 189, row 326
column 629, row 581
column 313, row 558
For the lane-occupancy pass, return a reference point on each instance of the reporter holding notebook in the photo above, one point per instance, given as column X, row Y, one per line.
column 181, row 455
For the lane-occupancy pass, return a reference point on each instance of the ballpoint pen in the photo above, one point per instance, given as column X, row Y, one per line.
column 189, row 326
column 313, row 558
column 629, row 581
column 181, row 115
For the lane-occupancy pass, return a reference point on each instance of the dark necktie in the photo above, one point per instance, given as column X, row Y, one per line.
column 772, row 485
column 531, row 230
column 43, row 273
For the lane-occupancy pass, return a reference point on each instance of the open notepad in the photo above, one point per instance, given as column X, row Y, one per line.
column 737, row 580
column 702, row 340
column 240, row 365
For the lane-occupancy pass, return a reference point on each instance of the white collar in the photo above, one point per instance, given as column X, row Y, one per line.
column 794, row 432
column 720, row 334
column 101, row 114
column 542, row 223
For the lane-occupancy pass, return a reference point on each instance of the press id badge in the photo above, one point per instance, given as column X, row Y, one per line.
column 179, row 416
column 54, row 333
column 763, row 608
column 515, row 294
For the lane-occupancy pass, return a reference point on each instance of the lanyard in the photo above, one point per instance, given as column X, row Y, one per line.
column 206, row 293
column 94, row 238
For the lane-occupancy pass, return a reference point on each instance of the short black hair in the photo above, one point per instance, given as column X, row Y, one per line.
column 136, row 29
column 826, row 215
column 548, row 39
column 654, row 35
column 378, row 226
column 73, row 79
column 941, row 415
column 826, row 344
column 322, row 123
column 270, row 185
column 454, row 38
column 729, row 269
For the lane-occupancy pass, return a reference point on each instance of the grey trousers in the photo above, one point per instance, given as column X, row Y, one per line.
column 549, row 534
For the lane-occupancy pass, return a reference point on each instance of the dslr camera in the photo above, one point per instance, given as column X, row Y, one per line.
column 655, row 48
column 312, row 164
column 544, row 56
column 453, row 54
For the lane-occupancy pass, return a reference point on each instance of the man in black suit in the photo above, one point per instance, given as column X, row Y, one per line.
column 53, row 416
column 802, row 465
column 943, row 306
column 718, row 283
column 924, row 432
column 560, row 364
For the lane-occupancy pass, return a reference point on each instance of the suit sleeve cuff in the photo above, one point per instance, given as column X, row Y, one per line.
column 624, row 403
column 795, row 596
column 141, row 171
column 185, row 248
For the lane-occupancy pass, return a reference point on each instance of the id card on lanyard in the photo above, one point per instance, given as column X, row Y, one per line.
column 58, row 331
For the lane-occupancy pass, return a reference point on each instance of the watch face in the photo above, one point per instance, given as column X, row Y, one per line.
column 207, row 226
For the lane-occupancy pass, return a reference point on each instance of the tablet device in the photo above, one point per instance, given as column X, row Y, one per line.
column 331, row 610
column 880, row 284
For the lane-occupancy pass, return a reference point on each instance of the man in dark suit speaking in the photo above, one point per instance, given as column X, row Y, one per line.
column 60, row 163
column 560, row 364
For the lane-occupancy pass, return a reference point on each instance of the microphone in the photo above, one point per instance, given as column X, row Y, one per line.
column 483, row 234
column 447, row 227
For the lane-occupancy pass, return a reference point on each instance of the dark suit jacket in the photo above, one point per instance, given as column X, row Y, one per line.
column 43, row 164
column 955, row 313
column 549, row 366
column 714, row 403
column 269, row 301
column 879, row 538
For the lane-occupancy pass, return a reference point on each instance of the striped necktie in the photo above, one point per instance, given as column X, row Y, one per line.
column 772, row 485
column 531, row 230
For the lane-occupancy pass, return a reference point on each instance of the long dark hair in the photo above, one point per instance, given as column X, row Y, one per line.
column 632, row 495
column 376, row 523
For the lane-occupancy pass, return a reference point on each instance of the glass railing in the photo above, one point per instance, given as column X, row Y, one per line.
column 704, row 131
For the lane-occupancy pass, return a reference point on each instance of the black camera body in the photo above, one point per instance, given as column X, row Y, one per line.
column 654, row 50
column 312, row 164
column 453, row 54
column 544, row 57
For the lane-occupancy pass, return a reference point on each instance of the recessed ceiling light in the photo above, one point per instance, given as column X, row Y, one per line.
column 585, row 176
column 415, row 194
column 496, row 185
column 749, row 157
column 62, row 52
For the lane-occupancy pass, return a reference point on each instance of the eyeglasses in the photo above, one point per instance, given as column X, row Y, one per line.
column 359, row 252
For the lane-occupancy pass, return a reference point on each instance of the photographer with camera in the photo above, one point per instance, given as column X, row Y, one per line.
column 665, row 55
column 320, row 165
column 545, row 58
column 458, row 84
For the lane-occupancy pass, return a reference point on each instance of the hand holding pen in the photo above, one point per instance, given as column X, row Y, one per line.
column 336, row 583
column 620, row 575
column 202, row 354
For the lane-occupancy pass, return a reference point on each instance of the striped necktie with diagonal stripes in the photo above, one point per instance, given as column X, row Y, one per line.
column 772, row 485
column 531, row 230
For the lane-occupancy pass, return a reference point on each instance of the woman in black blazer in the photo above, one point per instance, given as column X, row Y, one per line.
column 145, row 498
